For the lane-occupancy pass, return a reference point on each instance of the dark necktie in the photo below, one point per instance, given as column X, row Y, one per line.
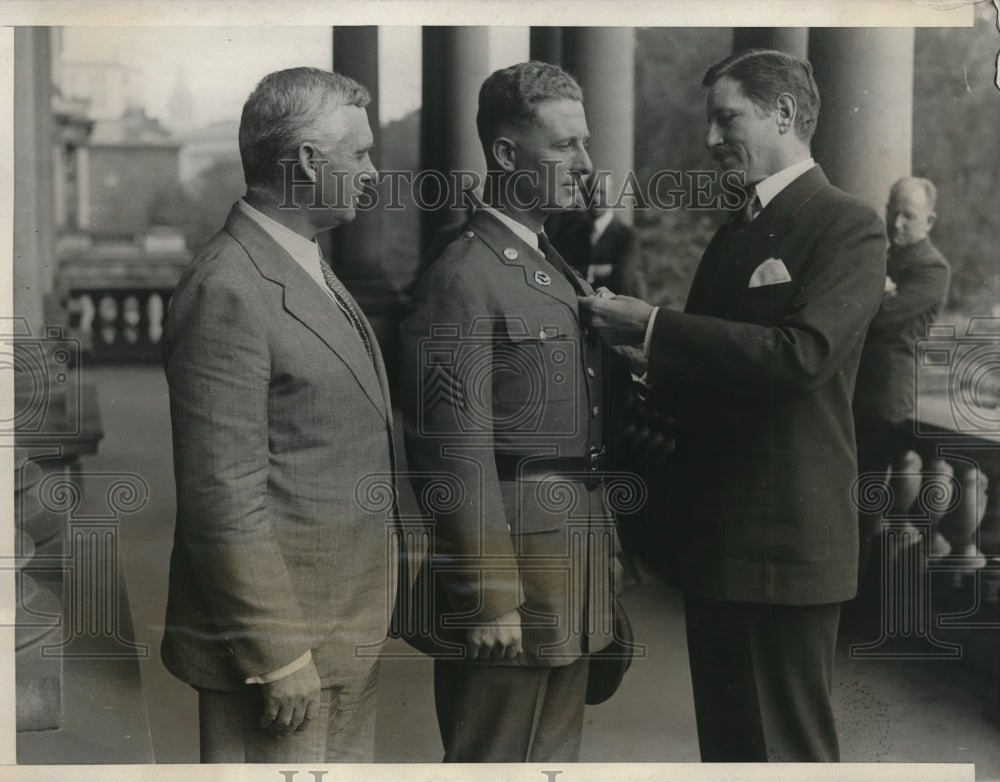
column 344, row 302
column 553, row 257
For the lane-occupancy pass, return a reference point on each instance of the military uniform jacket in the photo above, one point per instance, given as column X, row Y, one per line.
column 500, row 388
column 759, row 371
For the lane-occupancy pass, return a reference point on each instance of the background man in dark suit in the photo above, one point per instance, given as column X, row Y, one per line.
column 759, row 371
column 598, row 244
column 915, row 290
column 502, row 392
column 279, row 407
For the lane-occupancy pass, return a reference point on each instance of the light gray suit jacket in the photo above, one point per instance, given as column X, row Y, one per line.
column 282, row 435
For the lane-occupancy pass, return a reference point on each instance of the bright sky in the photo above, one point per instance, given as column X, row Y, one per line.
column 221, row 65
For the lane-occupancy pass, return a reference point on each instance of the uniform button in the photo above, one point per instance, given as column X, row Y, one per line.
column 541, row 334
column 595, row 411
column 590, row 372
column 469, row 234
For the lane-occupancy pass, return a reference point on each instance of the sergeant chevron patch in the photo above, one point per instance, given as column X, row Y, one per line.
column 442, row 386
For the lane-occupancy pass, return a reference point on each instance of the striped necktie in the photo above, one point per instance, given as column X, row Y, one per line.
column 344, row 302
column 751, row 208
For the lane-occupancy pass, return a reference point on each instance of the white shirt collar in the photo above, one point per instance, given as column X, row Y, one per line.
column 522, row 231
column 768, row 188
column 304, row 251
column 601, row 225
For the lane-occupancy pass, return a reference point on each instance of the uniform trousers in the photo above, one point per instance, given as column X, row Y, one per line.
column 510, row 714
column 762, row 677
column 342, row 732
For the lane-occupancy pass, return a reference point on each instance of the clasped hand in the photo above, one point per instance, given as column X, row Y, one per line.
column 496, row 639
column 621, row 320
column 292, row 702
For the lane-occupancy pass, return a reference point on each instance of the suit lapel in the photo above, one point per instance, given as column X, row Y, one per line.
column 780, row 214
column 305, row 301
column 735, row 252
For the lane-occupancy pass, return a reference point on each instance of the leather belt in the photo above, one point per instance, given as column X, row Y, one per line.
column 514, row 467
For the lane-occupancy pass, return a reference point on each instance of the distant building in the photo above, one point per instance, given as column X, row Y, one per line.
column 181, row 107
column 109, row 87
column 132, row 162
column 204, row 147
column 116, row 263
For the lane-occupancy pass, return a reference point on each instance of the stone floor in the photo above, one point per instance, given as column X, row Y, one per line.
column 888, row 710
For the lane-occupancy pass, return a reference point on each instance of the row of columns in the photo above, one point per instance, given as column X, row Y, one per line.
column 455, row 62
column 863, row 138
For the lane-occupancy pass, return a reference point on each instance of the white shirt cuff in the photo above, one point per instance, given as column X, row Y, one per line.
column 642, row 380
column 283, row 671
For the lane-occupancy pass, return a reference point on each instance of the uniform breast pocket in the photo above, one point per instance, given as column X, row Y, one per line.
column 538, row 362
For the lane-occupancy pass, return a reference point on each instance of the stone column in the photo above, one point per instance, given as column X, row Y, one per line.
column 34, row 200
column 357, row 248
column 864, row 138
column 603, row 60
column 83, row 188
column 794, row 40
column 546, row 44
column 455, row 63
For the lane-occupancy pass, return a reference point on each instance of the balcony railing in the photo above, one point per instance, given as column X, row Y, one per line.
column 113, row 295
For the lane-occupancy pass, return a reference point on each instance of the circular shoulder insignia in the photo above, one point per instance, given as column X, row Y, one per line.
column 542, row 278
column 469, row 234
column 510, row 254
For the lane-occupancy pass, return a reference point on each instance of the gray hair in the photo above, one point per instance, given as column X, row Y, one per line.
column 930, row 192
column 282, row 112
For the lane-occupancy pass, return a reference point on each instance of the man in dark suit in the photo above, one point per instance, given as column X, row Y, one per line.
column 916, row 287
column 501, row 391
column 599, row 245
column 281, row 585
column 759, row 372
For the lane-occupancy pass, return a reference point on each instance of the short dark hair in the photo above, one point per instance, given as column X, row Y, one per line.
column 764, row 74
column 282, row 111
column 510, row 97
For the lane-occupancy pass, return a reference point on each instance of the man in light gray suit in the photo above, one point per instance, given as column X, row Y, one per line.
column 281, row 583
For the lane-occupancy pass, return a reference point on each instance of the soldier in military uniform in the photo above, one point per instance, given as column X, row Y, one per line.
column 501, row 388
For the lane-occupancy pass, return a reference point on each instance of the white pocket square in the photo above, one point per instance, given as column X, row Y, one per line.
column 771, row 272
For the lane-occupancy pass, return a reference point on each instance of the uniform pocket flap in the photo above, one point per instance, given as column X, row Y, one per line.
column 538, row 323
